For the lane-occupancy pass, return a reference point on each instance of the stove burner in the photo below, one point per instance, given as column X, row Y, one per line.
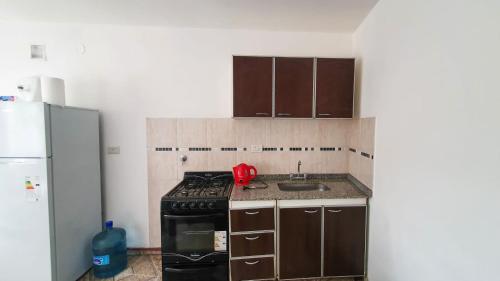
column 204, row 185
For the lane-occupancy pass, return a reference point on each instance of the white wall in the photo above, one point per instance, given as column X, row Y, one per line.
column 430, row 76
column 130, row 73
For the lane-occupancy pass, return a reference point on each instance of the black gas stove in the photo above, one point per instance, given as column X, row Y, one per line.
column 200, row 191
column 194, row 226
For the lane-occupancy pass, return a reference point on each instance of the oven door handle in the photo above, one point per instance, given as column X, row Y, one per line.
column 187, row 270
column 193, row 216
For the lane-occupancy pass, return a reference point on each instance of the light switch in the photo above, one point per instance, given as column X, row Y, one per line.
column 113, row 150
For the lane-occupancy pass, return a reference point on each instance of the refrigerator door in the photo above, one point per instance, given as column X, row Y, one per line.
column 23, row 127
column 25, row 232
column 77, row 188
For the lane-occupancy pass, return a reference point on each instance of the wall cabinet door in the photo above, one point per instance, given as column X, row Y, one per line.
column 294, row 87
column 252, row 86
column 299, row 243
column 334, row 88
column 344, row 245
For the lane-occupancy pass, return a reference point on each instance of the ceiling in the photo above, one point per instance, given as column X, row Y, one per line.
column 283, row 15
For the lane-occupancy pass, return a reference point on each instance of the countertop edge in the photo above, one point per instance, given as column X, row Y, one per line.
column 359, row 185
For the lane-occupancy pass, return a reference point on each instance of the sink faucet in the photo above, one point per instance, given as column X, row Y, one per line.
column 298, row 175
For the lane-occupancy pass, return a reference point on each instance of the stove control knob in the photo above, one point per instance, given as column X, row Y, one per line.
column 175, row 205
column 184, row 206
column 201, row 205
column 192, row 205
column 211, row 205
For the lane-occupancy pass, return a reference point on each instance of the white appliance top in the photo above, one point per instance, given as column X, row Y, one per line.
column 23, row 127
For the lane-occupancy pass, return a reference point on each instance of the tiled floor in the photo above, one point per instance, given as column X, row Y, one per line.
column 140, row 268
column 148, row 268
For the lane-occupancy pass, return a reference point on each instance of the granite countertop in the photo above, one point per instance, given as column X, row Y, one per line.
column 342, row 186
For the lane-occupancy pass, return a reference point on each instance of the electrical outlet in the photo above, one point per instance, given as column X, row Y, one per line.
column 256, row 148
column 113, row 150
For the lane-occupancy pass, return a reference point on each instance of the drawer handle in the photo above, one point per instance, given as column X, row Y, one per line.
column 262, row 113
column 252, row 213
column 252, row 262
column 311, row 212
column 334, row 211
column 284, row 114
column 252, row 238
column 324, row 114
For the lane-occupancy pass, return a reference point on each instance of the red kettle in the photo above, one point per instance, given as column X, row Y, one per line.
column 243, row 173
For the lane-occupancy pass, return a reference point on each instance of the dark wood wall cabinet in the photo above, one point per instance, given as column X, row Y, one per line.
column 294, row 87
column 334, row 88
column 299, row 87
column 252, row 86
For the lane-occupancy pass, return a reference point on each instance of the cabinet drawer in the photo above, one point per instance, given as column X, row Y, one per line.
column 252, row 244
column 252, row 269
column 252, row 219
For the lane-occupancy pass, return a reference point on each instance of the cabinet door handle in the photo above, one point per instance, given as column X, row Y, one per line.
column 334, row 211
column 252, row 213
column 252, row 262
column 252, row 238
column 311, row 212
column 324, row 114
column 284, row 114
column 262, row 113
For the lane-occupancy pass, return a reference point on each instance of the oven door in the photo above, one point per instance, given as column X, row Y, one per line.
column 195, row 237
column 200, row 272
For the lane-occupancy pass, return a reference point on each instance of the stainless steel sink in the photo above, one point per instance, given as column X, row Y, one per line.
column 292, row 186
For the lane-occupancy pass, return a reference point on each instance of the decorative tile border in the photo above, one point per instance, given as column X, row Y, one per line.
column 200, row 149
column 362, row 153
column 365, row 154
column 243, row 149
column 264, row 149
column 164, row 149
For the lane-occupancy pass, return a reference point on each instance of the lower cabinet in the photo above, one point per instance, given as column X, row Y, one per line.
column 344, row 252
column 255, row 244
column 322, row 242
column 299, row 243
column 252, row 269
column 252, row 241
column 312, row 242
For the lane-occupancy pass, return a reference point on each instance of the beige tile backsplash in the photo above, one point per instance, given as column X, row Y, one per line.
column 252, row 131
column 169, row 138
column 191, row 132
column 362, row 139
column 161, row 132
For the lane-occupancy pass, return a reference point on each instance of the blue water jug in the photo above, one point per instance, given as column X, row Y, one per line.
column 110, row 251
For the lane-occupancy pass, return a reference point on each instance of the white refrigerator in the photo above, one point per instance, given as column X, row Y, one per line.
column 50, row 191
